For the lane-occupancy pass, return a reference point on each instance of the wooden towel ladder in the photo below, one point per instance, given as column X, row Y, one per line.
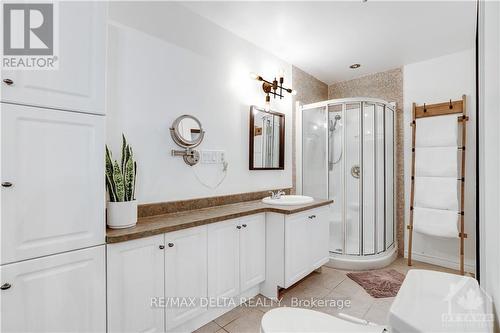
column 440, row 109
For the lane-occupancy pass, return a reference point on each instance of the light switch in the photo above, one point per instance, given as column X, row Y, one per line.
column 212, row 156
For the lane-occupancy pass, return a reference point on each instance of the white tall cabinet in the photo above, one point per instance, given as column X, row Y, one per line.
column 59, row 293
column 52, row 176
column 78, row 84
column 52, row 272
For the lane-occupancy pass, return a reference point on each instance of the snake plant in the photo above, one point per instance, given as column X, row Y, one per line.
column 120, row 178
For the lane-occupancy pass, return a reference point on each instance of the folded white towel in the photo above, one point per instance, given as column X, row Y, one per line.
column 435, row 222
column 436, row 162
column 439, row 131
column 436, row 192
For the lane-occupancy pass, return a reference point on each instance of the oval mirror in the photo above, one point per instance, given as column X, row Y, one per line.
column 187, row 131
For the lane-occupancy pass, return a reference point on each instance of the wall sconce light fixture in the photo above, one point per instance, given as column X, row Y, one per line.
column 274, row 88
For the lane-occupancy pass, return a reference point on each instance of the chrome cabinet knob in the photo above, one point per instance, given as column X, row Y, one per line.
column 161, row 247
column 5, row 286
column 170, row 244
column 244, row 225
column 8, row 82
column 238, row 227
column 7, row 184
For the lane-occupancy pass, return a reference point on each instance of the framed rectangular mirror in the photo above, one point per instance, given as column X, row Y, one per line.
column 267, row 139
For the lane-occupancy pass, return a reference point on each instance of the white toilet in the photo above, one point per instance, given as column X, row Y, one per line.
column 423, row 304
column 304, row 320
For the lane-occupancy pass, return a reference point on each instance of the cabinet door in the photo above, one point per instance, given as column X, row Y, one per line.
column 297, row 251
column 185, row 275
column 252, row 251
column 135, row 284
column 79, row 82
column 60, row 293
column 223, row 259
column 55, row 163
column 319, row 242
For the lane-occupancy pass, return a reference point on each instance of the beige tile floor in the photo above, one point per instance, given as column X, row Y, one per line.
column 330, row 284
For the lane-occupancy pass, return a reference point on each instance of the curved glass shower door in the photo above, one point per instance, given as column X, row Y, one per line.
column 347, row 156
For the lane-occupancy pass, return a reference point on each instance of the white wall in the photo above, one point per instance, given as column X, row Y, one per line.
column 489, row 130
column 434, row 81
column 165, row 61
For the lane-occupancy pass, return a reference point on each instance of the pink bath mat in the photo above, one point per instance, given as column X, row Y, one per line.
column 379, row 284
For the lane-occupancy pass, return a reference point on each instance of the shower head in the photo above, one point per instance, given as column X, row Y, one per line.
column 334, row 125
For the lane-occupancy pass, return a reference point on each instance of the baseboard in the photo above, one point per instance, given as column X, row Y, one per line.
column 213, row 313
column 443, row 262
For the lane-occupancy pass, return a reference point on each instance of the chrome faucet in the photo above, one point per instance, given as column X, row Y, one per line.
column 276, row 195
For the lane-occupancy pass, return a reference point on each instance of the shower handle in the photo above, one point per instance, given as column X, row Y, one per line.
column 356, row 171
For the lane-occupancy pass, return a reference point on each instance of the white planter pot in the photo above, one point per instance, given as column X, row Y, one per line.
column 122, row 214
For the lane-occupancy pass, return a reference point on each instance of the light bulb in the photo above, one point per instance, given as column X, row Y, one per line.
column 254, row 76
column 281, row 73
column 294, row 92
column 267, row 107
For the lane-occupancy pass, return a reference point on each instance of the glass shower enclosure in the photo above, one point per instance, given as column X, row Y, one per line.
column 348, row 156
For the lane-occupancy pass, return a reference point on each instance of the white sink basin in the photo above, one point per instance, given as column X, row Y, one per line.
column 288, row 200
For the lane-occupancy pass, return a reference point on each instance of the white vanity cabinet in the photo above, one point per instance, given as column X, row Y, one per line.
column 306, row 244
column 59, row 293
column 152, row 280
column 296, row 245
column 185, row 275
column 53, row 191
column 223, row 259
column 236, row 255
column 135, row 285
column 79, row 82
column 252, row 246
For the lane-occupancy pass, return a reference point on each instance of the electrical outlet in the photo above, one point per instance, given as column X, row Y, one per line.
column 212, row 156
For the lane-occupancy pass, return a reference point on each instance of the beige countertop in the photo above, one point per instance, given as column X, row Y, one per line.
column 154, row 225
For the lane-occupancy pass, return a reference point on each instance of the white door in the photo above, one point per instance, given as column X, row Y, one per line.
column 252, row 251
column 320, row 231
column 79, row 83
column 60, row 293
column 223, row 259
column 135, row 285
column 52, row 192
column 185, row 275
column 297, row 251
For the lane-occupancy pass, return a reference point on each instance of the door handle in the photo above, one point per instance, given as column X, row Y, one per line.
column 8, row 82
column 5, row 286
column 7, row 184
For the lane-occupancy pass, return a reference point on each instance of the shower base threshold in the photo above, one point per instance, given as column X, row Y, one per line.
column 360, row 263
